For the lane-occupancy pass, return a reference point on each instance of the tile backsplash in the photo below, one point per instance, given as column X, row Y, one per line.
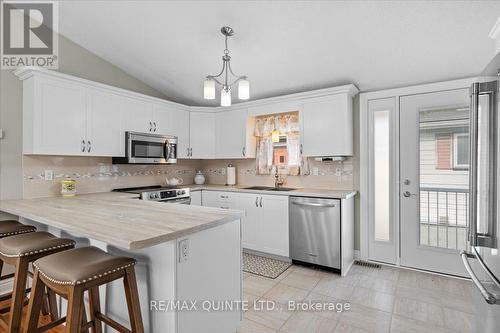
column 97, row 174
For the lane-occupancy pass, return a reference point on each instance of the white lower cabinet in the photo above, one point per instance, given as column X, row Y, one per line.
column 265, row 224
column 196, row 198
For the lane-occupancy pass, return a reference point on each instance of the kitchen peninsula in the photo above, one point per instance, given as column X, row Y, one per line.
column 184, row 253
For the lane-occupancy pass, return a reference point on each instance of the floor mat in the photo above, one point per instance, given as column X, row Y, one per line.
column 264, row 266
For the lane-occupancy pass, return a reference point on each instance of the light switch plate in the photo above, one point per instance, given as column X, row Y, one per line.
column 48, row 174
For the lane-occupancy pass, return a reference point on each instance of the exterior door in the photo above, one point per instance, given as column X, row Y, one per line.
column 434, row 173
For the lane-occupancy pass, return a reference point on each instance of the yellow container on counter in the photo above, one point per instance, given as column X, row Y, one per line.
column 68, row 187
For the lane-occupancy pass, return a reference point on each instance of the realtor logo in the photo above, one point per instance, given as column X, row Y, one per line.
column 29, row 35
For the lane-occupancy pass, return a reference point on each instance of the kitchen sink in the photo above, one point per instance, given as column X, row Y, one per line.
column 284, row 189
column 258, row 188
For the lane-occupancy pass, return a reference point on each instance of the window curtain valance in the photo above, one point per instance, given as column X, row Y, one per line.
column 284, row 123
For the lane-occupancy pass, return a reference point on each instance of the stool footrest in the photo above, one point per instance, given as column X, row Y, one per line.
column 50, row 325
column 7, row 276
column 105, row 319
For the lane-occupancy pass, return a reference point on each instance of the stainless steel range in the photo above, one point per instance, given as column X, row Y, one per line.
column 160, row 193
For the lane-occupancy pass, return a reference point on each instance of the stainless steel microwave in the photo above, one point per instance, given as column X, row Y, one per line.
column 145, row 148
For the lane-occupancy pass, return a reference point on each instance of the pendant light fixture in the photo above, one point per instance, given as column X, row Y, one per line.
column 223, row 77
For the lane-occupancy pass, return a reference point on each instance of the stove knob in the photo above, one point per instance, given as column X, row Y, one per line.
column 157, row 195
column 181, row 192
column 152, row 196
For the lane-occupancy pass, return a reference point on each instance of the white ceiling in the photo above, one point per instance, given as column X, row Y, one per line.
column 285, row 46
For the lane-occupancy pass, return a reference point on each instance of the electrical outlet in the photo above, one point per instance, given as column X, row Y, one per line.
column 338, row 172
column 48, row 174
column 184, row 250
column 315, row 171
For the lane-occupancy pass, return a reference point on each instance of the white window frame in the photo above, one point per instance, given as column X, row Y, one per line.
column 457, row 165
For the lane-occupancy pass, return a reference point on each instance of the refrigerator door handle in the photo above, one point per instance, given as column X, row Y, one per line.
column 477, row 237
column 488, row 297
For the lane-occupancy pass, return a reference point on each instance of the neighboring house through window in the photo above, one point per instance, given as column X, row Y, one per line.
column 452, row 151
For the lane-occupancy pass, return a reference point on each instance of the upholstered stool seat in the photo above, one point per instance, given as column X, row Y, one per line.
column 20, row 250
column 32, row 243
column 80, row 265
column 72, row 273
column 11, row 227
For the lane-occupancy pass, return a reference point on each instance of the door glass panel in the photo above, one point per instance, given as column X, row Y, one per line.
column 381, row 150
column 444, row 177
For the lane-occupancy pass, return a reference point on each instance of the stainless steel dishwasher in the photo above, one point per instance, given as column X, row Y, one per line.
column 315, row 231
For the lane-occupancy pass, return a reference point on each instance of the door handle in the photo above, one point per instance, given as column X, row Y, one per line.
column 243, row 151
column 83, row 146
column 150, row 126
column 260, row 204
column 488, row 297
column 408, row 194
column 312, row 204
column 154, row 123
column 90, row 147
column 256, row 201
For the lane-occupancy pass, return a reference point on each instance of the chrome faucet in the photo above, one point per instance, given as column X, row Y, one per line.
column 278, row 181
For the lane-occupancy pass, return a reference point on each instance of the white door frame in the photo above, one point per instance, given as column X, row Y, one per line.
column 366, row 200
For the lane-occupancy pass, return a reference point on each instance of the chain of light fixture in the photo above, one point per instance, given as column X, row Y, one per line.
column 243, row 83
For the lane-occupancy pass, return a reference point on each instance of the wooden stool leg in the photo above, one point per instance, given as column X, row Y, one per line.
column 35, row 304
column 19, row 291
column 134, row 308
column 95, row 307
column 74, row 316
column 54, row 312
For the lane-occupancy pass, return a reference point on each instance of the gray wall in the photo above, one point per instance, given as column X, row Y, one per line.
column 73, row 60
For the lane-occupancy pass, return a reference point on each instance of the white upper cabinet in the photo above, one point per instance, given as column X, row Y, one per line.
column 201, row 134
column 138, row 115
column 172, row 120
column 105, row 135
column 231, row 139
column 327, row 126
column 54, row 119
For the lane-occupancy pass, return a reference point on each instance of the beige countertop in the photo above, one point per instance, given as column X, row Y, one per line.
column 305, row 192
column 120, row 219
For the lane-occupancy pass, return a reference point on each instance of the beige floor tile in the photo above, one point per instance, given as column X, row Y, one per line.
column 257, row 285
column 406, row 325
column 250, row 298
column 367, row 319
column 377, row 284
column 458, row 321
column 345, row 328
column 333, row 288
column 284, row 274
column 387, row 273
column 373, row 299
column 426, row 312
column 283, row 293
column 325, row 301
column 248, row 326
column 300, row 280
column 272, row 318
column 444, row 299
column 435, row 282
column 312, row 271
column 306, row 322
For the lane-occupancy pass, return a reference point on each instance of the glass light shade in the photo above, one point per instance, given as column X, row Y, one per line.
column 275, row 136
column 225, row 97
column 244, row 89
column 209, row 89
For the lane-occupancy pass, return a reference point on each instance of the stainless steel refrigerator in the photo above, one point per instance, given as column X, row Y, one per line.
column 482, row 260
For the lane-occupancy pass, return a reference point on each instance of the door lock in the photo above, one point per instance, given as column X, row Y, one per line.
column 406, row 194
column 406, row 182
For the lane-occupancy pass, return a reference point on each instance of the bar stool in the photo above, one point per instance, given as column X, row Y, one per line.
column 11, row 228
column 70, row 274
column 19, row 251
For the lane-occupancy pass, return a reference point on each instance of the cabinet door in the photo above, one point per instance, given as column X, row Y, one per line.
column 59, row 126
column 202, row 134
column 137, row 115
column 196, row 198
column 230, row 134
column 327, row 126
column 250, row 223
column 273, row 228
column 105, row 135
column 171, row 120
